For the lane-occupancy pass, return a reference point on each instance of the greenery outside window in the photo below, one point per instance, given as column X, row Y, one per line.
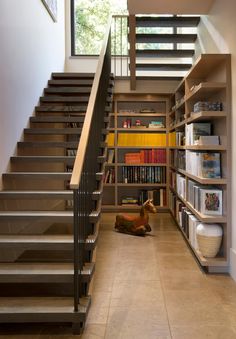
column 88, row 23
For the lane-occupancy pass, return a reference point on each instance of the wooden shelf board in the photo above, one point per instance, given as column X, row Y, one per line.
column 217, row 261
column 139, row 147
column 177, row 147
column 205, row 88
column 202, row 217
column 207, row 218
column 206, row 147
column 171, row 113
column 200, row 147
column 207, row 181
column 205, row 64
column 109, row 185
column 141, row 185
column 142, row 164
column 180, row 104
column 206, row 115
column 134, row 129
column 129, row 207
column 140, row 114
column 180, row 124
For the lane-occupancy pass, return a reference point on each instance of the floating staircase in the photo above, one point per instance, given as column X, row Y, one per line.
column 36, row 210
column 155, row 53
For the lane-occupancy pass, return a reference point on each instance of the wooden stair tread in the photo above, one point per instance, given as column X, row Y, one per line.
column 43, row 158
column 37, row 175
column 43, row 272
column 72, row 75
column 55, row 98
column 52, row 130
column 66, row 194
column 56, row 194
column 165, row 53
column 57, row 118
column 165, row 38
column 42, row 309
column 147, row 21
column 44, row 241
column 66, row 109
column 60, row 109
column 67, row 90
column 56, row 144
column 70, row 82
column 61, row 216
column 44, row 175
column 163, row 67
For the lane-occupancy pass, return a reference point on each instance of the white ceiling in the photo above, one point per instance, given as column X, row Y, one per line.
column 169, row 6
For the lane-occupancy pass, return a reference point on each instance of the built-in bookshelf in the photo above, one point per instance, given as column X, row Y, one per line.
column 137, row 166
column 199, row 154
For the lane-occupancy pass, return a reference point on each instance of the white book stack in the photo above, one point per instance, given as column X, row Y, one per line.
column 181, row 185
column 193, row 223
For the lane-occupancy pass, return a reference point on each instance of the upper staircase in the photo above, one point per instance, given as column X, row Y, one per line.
column 37, row 258
column 158, row 46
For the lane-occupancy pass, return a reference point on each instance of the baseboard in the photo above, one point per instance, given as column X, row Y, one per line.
column 233, row 263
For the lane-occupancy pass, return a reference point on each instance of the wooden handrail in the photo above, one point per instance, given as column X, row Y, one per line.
column 81, row 151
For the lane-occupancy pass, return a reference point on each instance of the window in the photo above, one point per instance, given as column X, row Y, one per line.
column 88, row 23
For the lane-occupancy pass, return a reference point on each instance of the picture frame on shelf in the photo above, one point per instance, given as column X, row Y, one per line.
column 211, row 201
column 51, row 6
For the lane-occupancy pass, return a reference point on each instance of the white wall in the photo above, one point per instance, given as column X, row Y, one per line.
column 217, row 35
column 32, row 46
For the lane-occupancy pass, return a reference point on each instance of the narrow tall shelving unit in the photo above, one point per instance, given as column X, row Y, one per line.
column 209, row 80
column 131, row 139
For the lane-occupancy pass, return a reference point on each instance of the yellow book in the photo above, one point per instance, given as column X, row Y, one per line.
column 172, row 139
column 110, row 139
column 142, row 139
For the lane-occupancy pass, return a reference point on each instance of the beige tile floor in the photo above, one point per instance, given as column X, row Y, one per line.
column 151, row 288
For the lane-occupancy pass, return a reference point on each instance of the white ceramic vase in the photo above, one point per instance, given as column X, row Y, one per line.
column 209, row 238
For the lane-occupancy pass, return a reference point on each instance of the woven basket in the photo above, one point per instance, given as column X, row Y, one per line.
column 209, row 246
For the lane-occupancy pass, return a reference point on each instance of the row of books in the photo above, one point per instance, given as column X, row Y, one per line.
column 143, row 110
column 127, row 123
column 195, row 130
column 142, row 139
column 143, row 174
column 205, row 199
column 109, row 177
column 158, row 196
column 172, row 139
column 146, row 156
column 203, row 164
column 186, row 220
column 178, row 159
column 200, row 134
column 74, row 124
column 181, row 185
column 172, row 176
column 207, row 106
column 71, row 151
